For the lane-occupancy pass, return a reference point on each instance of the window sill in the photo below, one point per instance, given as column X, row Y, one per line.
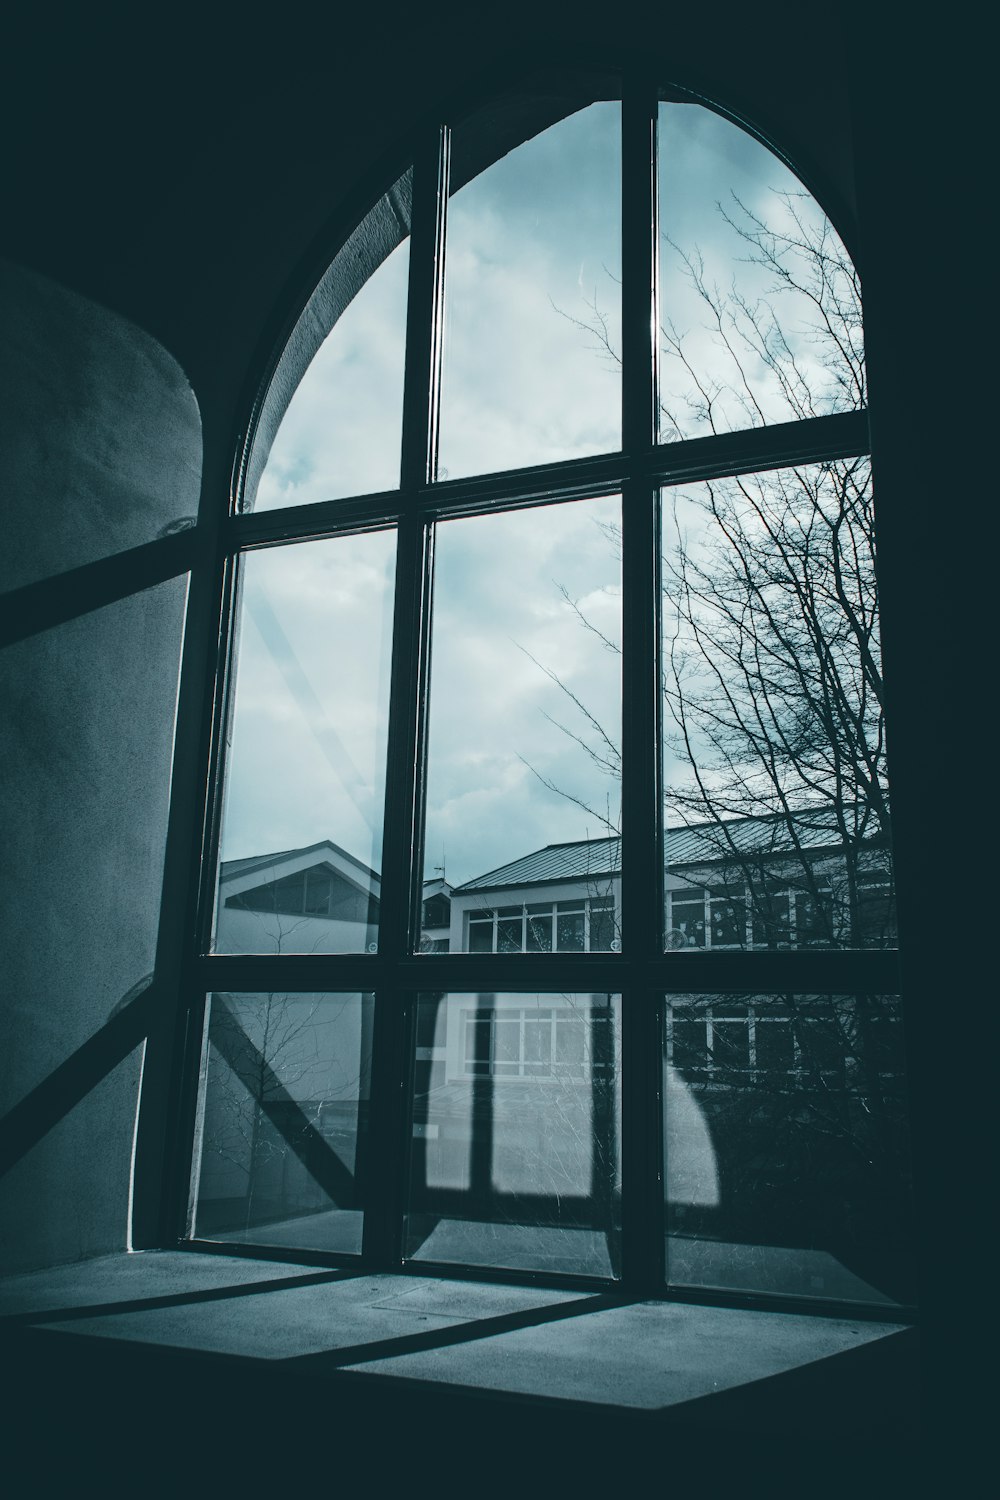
column 251, row 1336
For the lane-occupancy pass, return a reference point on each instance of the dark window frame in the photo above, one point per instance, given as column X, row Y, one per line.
column 643, row 973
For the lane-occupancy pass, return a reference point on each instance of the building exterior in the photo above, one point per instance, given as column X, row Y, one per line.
column 516, row 1119
column 318, row 899
column 747, row 883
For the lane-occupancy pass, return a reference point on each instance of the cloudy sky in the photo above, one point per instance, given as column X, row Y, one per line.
column 533, row 254
column 706, row 164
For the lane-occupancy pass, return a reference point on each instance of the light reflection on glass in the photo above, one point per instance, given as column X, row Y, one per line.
column 282, row 1115
column 786, row 1147
column 301, row 846
column 516, row 1132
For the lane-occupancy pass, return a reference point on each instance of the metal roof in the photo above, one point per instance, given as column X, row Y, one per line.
column 696, row 843
column 555, row 862
column 776, row 833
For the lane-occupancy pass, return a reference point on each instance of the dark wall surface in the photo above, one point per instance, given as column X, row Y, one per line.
column 101, row 456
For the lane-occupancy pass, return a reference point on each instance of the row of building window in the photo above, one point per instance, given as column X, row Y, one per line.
column 717, row 1042
column 534, row 1043
column 705, row 1041
column 780, row 916
column 586, row 924
column 315, row 892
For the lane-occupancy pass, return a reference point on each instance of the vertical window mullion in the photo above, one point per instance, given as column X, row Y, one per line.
column 165, row 1128
column 400, row 877
column 642, row 866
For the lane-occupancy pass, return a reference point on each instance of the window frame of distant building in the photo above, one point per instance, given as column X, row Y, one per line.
column 645, row 972
column 568, row 924
column 482, row 1024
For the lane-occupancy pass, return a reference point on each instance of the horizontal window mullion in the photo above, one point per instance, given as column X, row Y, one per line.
column 318, row 519
column 776, row 446
column 576, row 479
column 817, row 439
column 820, row 972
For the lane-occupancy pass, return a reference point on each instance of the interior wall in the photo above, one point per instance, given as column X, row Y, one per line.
column 103, row 457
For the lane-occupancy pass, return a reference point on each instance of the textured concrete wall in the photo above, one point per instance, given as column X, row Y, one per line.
column 104, row 456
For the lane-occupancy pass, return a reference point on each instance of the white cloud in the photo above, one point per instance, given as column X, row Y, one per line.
column 704, row 160
column 496, row 600
column 308, row 752
column 528, row 242
column 522, row 385
column 341, row 433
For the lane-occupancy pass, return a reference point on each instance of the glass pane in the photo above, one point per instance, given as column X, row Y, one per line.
column 539, row 930
column 533, row 302
column 728, row 919
column 341, row 433
column 301, row 847
column 516, row 1157
column 524, row 765
column 602, row 925
column 569, row 932
column 481, row 935
column 775, row 783
column 760, row 305
column 509, row 935
column 282, row 1117
column 774, row 1044
column 786, row 1147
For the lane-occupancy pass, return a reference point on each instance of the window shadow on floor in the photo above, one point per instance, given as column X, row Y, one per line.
column 465, row 1333
column 172, row 1299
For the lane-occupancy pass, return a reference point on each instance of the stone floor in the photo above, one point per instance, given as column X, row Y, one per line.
column 183, row 1373
column 566, row 1345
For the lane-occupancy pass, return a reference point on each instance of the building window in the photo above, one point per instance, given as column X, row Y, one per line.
column 552, row 566
column 316, row 892
column 583, row 925
column 514, row 1043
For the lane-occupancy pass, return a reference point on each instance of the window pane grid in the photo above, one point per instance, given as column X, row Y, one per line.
column 730, row 1038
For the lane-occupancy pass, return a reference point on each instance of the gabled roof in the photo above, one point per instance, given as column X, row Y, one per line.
column 695, row 843
column 230, row 868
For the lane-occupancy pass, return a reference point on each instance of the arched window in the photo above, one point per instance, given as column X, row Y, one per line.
column 547, row 901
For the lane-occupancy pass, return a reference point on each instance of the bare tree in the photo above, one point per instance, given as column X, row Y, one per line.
column 772, row 685
column 774, row 734
column 282, row 1098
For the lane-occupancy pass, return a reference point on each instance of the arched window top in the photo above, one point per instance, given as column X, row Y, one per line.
column 551, row 614
column 758, row 303
column 760, row 307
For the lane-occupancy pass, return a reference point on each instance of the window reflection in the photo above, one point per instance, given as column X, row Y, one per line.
column 516, row 1132
column 302, row 827
column 283, row 1114
column 794, row 1105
